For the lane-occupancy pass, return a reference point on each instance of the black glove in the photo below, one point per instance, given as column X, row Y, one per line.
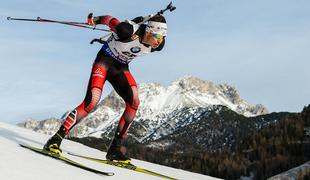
column 138, row 19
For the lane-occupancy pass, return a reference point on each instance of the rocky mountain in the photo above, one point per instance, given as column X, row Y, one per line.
column 165, row 111
column 210, row 128
column 47, row 126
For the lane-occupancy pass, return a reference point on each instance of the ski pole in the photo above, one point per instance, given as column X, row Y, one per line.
column 40, row 19
column 169, row 7
column 78, row 24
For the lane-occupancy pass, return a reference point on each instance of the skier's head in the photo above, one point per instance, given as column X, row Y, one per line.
column 155, row 31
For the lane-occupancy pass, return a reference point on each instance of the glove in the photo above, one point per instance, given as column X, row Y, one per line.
column 90, row 20
column 142, row 19
column 138, row 19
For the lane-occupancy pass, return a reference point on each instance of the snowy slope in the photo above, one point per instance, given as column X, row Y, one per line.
column 17, row 163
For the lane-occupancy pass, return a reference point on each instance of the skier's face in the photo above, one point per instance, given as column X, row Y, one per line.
column 153, row 39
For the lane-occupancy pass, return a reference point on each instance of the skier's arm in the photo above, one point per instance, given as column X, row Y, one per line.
column 124, row 30
column 107, row 20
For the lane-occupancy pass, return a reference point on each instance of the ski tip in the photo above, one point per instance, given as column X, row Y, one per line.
column 110, row 174
column 22, row 145
column 8, row 18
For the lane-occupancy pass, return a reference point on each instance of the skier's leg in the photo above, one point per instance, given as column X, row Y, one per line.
column 126, row 87
column 94, row 91
column 130, row 96
column 92, row 98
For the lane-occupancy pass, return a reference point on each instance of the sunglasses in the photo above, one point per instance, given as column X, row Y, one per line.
column 156, row 35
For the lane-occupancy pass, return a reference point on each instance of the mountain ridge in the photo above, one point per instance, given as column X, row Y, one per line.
column 157, row 103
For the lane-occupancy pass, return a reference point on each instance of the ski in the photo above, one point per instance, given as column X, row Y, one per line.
column 123, row 165
column 65, row 160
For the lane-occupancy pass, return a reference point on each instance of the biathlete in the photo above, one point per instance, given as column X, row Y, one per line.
column 129, row 39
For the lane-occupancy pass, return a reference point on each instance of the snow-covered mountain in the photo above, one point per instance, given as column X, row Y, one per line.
column 162, row 110
column 17, row 163
column 48, row 126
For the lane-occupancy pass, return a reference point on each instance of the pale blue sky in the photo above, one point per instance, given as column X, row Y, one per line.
column 259, row 47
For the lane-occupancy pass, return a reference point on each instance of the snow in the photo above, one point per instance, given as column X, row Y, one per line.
column 17, row 163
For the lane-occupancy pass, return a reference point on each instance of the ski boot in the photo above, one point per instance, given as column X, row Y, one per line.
column 115, row 154
column 53, row 144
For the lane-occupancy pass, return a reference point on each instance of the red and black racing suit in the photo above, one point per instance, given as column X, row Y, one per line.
column 117, row 73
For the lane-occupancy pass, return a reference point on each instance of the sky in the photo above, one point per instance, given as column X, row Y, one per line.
column 259, row 47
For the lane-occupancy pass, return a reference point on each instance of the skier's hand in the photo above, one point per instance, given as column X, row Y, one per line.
column 138, row 19
column 142, row 19
column 90, row 20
